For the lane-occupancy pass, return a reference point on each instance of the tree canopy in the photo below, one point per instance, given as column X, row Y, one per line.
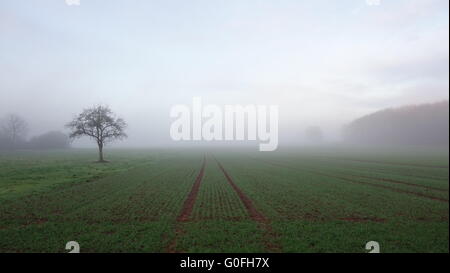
column 100, row 124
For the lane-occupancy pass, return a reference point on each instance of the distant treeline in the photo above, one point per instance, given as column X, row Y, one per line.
column 424, row 124
column 49, row 140
column 13, row 131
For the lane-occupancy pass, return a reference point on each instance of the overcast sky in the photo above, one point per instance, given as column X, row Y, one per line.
column 323, row 62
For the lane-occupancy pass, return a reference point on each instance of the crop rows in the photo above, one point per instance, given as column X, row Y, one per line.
column 144, row 201
column 239, row 202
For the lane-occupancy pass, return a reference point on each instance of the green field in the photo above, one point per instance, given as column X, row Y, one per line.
column 333, row 199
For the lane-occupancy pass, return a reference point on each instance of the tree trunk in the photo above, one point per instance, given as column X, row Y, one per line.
column 100, row 152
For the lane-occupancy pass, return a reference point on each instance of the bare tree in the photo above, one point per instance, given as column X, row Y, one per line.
column 15, row 128
column 100, row 124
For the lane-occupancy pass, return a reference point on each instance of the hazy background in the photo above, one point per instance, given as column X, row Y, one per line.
column 325, row 63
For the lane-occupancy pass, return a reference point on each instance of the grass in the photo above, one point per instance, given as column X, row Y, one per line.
column 315, row 200
column 26, row 172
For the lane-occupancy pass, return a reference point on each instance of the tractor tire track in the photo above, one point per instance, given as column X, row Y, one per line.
column 190, row 200
column 380, row 170
column 382, row 179
column 187, row 208
column 359, row 182
column 269, row 234
column 394, row 181
column 394, row 163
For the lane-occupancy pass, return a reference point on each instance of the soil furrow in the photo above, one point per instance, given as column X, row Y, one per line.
column 401, row 183
column 190, row 200
column 360, row 182
column 187, row 208
column 269, row 234
column 395, row 163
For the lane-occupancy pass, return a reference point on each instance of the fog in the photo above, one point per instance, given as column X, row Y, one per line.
column 324, row 63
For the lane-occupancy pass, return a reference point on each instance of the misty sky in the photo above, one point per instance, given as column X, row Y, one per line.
column 323, row 62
